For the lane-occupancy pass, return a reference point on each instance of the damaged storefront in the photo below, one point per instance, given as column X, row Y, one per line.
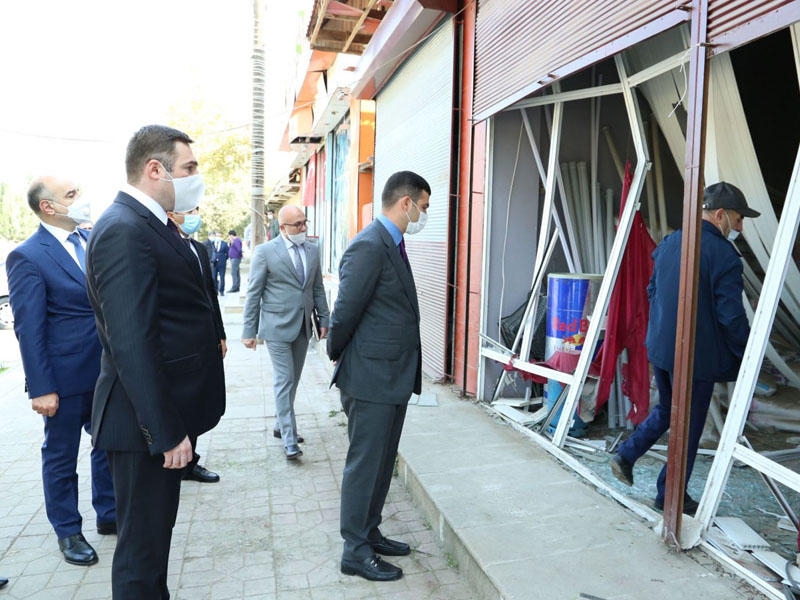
column 596, row 113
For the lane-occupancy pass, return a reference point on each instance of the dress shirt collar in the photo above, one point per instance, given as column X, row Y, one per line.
column 60, row 234
column 150, row 204
column 393, row 230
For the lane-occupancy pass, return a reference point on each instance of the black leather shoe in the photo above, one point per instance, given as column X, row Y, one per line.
column 689, row 505
column 3, row 582
column 77, row 550
column 109, row 528
column 277, row 434
column 389, row 547
column 373, row 568
column 201, row 474
column 293, row 452
column 622, row 469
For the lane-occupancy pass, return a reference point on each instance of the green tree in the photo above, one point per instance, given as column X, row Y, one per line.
column 223, row 151
column 17, row 221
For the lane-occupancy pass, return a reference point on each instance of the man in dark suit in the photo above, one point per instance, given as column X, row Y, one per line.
column 55, row 326
column 161, row 378
column 218, row 256
column 374, row 339
column 188, row 222
column 284, row 290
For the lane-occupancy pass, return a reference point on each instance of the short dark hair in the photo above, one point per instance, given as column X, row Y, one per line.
column 232, row 232
column 36, row 193
column 403, row 183
column 152, row 141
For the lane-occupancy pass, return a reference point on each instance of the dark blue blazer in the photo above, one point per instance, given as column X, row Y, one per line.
column 53, row 319
column 161, row 375
column 374, row 327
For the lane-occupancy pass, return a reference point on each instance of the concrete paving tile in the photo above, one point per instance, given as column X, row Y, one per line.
column 262, row 588
column 93, row 591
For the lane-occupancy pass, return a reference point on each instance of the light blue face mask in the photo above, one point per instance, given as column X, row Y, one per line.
column 191, row 223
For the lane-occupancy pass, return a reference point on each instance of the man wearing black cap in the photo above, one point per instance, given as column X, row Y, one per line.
column 721, row 329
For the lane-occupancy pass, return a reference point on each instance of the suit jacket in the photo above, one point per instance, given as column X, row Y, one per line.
column 211, row 289
column 215, row 255
column 277, row 305
column 161, row 375
column 374, row 335
column 53, row 319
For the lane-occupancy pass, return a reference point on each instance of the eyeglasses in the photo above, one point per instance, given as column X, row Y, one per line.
column 297, row 225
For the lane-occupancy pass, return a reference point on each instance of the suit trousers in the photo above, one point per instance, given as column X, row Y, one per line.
column 657, row 423
column 373, row 429
column 218, row 272
column 288, row 359
column 147, row 506
column 62, row 438
column 235, row 277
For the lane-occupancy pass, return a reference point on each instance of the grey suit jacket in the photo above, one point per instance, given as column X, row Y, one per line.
column 374, row 335
column 277, row 305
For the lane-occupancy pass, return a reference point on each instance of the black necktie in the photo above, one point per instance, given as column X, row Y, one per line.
column 402, row 246
column 75, row 239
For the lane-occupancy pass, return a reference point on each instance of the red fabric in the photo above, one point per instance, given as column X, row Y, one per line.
column 559, row 361
column 626, row 326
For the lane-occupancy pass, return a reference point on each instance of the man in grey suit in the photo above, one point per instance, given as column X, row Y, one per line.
column 375, row 341
column 284, row 290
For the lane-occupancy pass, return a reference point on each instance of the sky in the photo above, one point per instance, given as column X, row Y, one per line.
column 78, row 77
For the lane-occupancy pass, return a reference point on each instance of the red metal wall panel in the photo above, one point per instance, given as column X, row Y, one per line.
column 732, row 23
column 523, row 45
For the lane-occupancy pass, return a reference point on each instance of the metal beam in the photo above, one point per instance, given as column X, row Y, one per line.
column 359, row 23
column 690, row 261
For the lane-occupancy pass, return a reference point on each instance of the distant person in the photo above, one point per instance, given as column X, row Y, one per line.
column 218, row 255
column 720, row 338
column 274, row 227
column 235, row 256
column 375, row 341
column 188, row 222
column 284, row 290
column 161, row 382
column 55, row 326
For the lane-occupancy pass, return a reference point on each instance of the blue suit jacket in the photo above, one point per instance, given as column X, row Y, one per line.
column 53, row 319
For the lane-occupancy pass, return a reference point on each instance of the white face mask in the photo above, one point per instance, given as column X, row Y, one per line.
column 188, row 191
column 79, row 211
column 416, row 226
column 732, row 233
column 297, row 238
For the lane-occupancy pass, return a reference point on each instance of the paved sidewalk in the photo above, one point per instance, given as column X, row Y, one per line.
column 268, row 530
column 489, row 513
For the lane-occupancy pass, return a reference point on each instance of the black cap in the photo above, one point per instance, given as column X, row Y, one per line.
column 727, row 196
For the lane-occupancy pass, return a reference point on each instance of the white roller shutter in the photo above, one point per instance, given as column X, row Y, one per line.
column 413, row 132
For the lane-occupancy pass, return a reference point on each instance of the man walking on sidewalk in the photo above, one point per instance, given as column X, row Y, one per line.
column 722, row 329
column 55, row 326
column 235, row 256
column 284, row 290
column 375, row 342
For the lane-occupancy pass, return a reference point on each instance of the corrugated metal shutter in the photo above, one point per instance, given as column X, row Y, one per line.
column 522, row 45
column 735, row 22
column 413, row 128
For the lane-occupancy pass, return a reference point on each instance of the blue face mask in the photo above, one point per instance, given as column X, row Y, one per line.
column 191, row 223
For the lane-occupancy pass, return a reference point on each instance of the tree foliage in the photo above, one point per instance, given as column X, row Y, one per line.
column 223, row 151
column 17, row 221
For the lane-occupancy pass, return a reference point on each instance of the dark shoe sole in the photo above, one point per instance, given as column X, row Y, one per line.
column 82, row 563
column 619, row 473
column 389, row 577
column 277, row 434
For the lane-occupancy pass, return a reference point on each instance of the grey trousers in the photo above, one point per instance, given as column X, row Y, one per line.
column 288, row 359
column 374, row 430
